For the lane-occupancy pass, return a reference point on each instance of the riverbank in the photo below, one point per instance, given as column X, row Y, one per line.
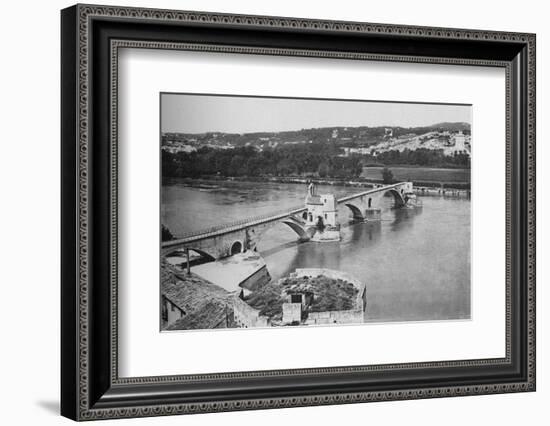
column 420, row 188
column 438, row 175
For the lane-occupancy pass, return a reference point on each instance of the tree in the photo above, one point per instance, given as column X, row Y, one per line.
column 323, row 169
column 236, row 166
column 387, row 175
column 166, row 235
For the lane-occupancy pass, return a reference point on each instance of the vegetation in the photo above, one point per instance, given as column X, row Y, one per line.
column 422, row 175
column 345, row 136
column 320, row 159
column 166, row 235
column 329, row 295
column 268, row 300
column 387, row 175
column 421, row 157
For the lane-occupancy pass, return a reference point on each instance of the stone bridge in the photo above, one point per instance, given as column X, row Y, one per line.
column 227, row 240
column 363, row 203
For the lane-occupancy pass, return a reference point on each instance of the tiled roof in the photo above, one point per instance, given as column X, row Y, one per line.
column 204, row 303
column 211, row 314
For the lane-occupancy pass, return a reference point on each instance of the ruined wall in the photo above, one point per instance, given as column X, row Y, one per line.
column 246, row 316
column 258, row 279
column 355, row 316
column 292, row 313
column 350, row 316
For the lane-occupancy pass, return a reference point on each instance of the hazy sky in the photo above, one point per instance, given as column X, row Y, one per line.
column 230, row 114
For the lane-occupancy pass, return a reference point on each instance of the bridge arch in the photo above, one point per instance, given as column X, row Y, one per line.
column 236, row 248
column 299, row 229
column 397, row 196
column 206, row 257
column 356, row 211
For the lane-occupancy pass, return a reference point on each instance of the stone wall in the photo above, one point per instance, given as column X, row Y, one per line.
column 258, row 279
column 292, row 313
column 246, row 316
column 355, row 315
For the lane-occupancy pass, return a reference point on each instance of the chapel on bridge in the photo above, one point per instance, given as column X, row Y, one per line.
column 322, row 215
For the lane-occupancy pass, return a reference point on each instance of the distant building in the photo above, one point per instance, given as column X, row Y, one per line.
column 360, row 151
column 214, row 146
column 388, row 132
column 459, row 141
column 443, row 138
column 174, row 149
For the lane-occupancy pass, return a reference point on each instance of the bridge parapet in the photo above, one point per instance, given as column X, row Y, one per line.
column 233, row 226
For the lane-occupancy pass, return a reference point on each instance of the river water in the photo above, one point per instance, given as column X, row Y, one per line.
column 415, row 263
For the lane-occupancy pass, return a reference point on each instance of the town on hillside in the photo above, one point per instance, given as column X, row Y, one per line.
column 448, row 137
column 342, row 153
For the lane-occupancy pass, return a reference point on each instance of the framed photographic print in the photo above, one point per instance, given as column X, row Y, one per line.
column 263, row 212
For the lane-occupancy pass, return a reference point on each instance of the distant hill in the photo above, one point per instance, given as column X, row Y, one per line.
column 340, row 135
column 452, row 127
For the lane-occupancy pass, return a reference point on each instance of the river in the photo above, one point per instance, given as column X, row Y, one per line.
column 415, row 263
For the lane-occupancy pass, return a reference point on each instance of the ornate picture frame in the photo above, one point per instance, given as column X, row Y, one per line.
column 91, row 37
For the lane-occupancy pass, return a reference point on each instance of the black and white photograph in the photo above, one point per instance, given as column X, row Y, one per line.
column 275, row 213
column 279, row 212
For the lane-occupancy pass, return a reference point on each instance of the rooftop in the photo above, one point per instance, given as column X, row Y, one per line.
column 204, row 303
column 211, row 314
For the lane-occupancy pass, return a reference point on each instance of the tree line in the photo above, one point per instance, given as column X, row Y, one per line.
column 420, row 157
column 324, row 160
column 304, row 159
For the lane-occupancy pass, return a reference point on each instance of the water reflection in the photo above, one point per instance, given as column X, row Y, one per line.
column 403, row 218
column 365, row 233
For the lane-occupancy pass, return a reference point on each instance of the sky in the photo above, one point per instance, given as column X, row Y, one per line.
column 191, row 113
